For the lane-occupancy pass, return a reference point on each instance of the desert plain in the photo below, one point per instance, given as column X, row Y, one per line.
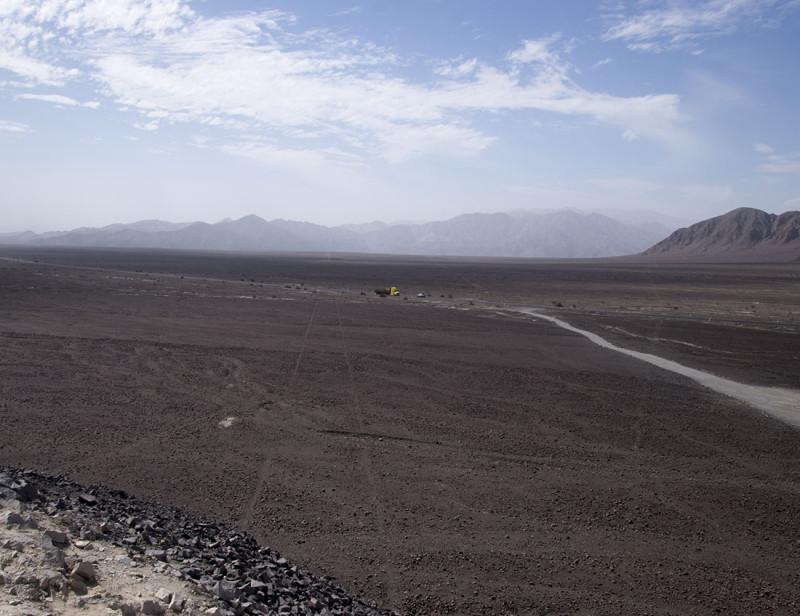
column 445, row 454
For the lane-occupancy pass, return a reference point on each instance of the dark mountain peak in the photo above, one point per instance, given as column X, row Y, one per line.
column 745, row 212
column 741, row 234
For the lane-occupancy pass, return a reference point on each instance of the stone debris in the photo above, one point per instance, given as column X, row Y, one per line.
column 176, row 603
column 151, row 607
column 149, row 560
column 84, row 570
column 58, row 538
column 12, row 518
column 78, row 585
column 127, row 609
column 157, row 554
column 87, row 499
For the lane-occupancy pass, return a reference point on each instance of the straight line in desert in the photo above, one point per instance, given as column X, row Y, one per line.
column 246, row 518
column 780, row 402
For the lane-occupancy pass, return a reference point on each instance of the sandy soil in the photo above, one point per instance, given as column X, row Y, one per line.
column 440, row 455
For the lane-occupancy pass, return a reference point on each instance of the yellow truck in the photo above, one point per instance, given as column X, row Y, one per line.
column 383, row 292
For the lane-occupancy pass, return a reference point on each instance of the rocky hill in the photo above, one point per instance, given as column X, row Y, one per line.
column 744, row 234
column 556, row 234
column 68, row 549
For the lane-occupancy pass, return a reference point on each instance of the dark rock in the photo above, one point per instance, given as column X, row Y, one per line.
column 56, row 558
column 152, row 608
column 50, row 581
column 224, row 590
column 85, row 570
column 87, row 499
column 78, row 585
column 57, row 537
column 128, row 610
column 89, row 532
column 12, row 518
column 252, row 580
column 25, row 491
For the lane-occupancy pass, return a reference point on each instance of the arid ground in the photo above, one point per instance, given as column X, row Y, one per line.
column 441, row 455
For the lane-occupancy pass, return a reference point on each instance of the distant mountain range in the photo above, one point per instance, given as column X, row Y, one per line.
column 745, row 234
column 553, row 234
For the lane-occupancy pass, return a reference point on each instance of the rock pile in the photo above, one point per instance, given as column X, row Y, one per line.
column 64, row 546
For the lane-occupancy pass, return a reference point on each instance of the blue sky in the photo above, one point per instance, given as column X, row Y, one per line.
column 340, row 112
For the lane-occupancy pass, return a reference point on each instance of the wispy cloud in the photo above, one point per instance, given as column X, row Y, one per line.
column 777, row 164
column 58, row 99
column 538, row 51
column 348, row 11
column 32, row 71
column 312, row 96
column 681, row 25
column 13, row 127
column 321, row 165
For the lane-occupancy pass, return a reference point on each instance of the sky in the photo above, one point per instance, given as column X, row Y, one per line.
column 338, row 112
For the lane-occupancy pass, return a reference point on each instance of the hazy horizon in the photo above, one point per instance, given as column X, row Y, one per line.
column 641, row 216
column 342, row 113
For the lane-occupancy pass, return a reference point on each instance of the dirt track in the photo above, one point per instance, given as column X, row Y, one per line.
column 440, row 460
column 780, row 402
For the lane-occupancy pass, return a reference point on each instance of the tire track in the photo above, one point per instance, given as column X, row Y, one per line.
column 367, row 466
column 301, row 352
column 247, row 515
column 780, row 402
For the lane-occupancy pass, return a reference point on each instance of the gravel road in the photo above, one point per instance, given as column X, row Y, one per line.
column 780, row 402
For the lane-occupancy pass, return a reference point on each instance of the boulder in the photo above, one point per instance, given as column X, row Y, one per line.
column 226, row 591
column 85, row 570
column 57, row 537
column 128, row 610
column 12, row 518
column 50, row 581
column 78, row 585
column 25, row 491
column 152, row 608
column 55, row 557
column 157, row 554
column 87, row 499
column 176, row 604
